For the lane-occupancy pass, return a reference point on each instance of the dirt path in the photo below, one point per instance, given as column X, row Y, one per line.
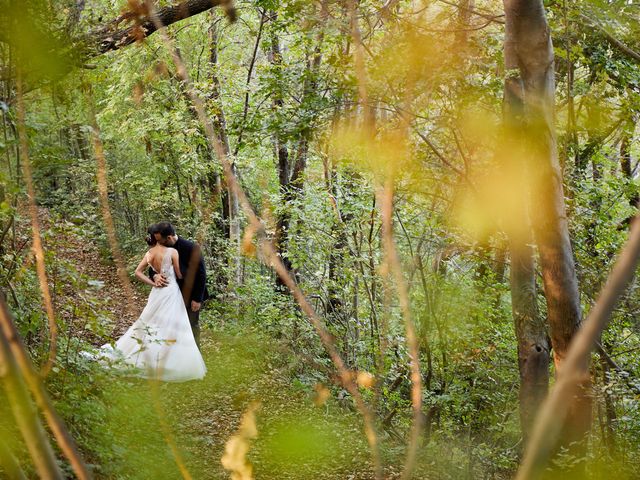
column 92, row 272
column 296, row 439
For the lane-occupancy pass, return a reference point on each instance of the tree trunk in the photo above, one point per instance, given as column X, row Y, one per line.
column 282, row 154
column 339, row 235
column 609, row 403
column 291, row 170
column 531, row 335
column 527, row 37
column 230, row 204
column 626, row 162
column 530, row 327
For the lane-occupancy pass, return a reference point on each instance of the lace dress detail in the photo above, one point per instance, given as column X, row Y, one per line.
column 160, row 344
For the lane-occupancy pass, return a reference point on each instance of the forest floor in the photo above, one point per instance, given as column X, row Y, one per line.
column 296, row 439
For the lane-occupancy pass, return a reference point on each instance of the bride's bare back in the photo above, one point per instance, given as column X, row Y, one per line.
column 153, row 258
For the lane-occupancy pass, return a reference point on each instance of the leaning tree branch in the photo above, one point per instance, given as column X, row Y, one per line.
column 27, row 420
column 551, row 414
column 132, row 26
column 113, row 37
column 34, row 382
column 613, row 41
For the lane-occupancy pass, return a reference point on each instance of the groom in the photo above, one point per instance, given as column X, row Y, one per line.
column 194, row 277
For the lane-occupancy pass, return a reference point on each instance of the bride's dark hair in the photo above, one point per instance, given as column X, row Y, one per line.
column 151, row 238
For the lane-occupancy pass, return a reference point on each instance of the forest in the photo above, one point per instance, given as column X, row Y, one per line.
column 417, row 220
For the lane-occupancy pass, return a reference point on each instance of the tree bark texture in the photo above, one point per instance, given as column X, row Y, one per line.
column 527, row 38
column 531, row 335
column 530, row 327
column 113, row 37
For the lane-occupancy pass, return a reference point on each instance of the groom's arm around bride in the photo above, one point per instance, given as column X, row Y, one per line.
column 194, row 277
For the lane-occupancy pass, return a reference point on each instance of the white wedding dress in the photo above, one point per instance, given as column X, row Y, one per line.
column 160, row 344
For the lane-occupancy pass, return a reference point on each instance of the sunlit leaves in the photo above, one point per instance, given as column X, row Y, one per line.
column 384, row 156
column 33, row 28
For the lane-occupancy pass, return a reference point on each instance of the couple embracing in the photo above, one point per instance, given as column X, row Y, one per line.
column 164, row 342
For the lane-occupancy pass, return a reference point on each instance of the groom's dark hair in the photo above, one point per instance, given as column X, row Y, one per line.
column 165, row 229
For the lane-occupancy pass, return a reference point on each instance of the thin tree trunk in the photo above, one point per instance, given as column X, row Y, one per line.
column 335, row 286
column 218, row 117
column 572, row 138
column 626, row 163
column 252, row 63
column 282, row 154
column 528, row 35
column 231, row 208
column 531, row 335
column 609, row 403
column 500, row 263
column 291, row 171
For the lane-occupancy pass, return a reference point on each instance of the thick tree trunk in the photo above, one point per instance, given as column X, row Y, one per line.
column 527, row 36
column 530, row 327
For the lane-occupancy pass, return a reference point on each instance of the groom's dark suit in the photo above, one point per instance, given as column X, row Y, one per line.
column 199, row 292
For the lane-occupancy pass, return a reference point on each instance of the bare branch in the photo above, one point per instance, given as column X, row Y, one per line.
column 56, row 424
column 35, row 228
column 393, row 265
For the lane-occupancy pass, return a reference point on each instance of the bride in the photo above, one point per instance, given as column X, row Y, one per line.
column 160, row 343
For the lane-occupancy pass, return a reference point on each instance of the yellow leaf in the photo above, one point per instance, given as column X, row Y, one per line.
column 365, row 379
column 322, row 395
column 236, row 448
column 248, row 248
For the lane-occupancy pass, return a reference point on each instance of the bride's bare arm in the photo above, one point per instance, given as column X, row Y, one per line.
column 176, row 264
column 140, row 272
